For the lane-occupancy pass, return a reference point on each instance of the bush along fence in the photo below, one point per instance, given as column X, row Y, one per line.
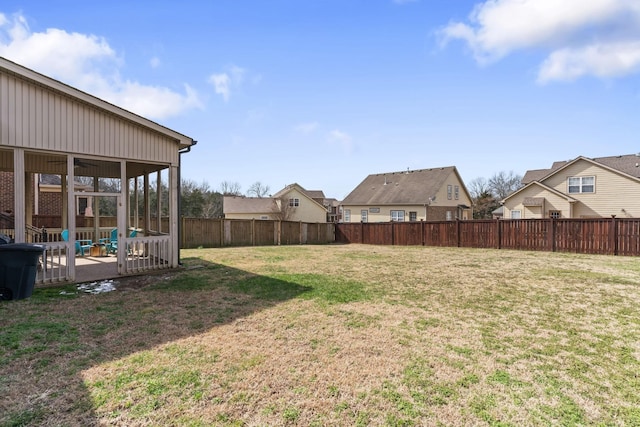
column 211, row 233
column 606, row 236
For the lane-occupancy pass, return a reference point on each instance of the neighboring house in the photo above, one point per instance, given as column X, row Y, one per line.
column 240, row 207
column 436, row 194
column 292, row 203
column 333, row 210
column 47, row 197
column 579, row 188
column 498, row 213
column 48, row 127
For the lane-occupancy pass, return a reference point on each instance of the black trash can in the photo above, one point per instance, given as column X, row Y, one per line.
column 18, row 268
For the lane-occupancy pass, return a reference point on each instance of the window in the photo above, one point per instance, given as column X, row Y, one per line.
column 449, row 216
column 294, row 202
column 82, row 205
column 264, row 217
column 413, row 216
column 347, row 215
column 582, row 184
column 457, row 192
column 554, row 214
column 516, row 214
column 449, row 191
column 363, row 215
column 397, row 216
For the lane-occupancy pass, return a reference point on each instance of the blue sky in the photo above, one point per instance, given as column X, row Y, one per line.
column 325, row 92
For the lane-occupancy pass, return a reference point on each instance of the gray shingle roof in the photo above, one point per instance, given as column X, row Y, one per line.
column 408, row 187
column 239, row 204
column 629, row 164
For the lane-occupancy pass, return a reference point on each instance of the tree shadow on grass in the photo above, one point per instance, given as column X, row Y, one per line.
column 50, row 339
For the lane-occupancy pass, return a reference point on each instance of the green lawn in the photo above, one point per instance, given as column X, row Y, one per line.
column 334, row 335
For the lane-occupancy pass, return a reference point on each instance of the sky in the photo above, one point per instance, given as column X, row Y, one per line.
column 325, row 92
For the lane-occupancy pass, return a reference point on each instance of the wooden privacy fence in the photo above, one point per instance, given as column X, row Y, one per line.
column 607, row 236
column 211, row 233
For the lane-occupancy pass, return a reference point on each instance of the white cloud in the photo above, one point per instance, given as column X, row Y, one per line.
column 342, row 140
column 306, row 128
column 88, row 63
column 578, row 36
column 601, row 60
column 223, row 82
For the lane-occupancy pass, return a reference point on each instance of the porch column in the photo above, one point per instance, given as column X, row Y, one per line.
column 19, row 211
column 173, row 214
column 70, row 215
column 28, row 197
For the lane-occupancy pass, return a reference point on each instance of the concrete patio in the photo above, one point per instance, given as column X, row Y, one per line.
column 90, row 269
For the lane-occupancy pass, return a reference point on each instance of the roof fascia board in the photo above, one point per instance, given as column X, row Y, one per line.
column 593, row 162
column 544, row 187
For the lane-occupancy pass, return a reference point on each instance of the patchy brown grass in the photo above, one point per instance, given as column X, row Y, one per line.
column 334, row 335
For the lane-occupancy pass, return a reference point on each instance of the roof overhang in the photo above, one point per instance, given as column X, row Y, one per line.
column 541, row 185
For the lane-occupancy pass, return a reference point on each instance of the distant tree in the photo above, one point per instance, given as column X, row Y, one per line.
column 282, row 210
column 484, row 205
column 477, row 187
column 257, row 189
column 487, row 194
column 230, row 188
column 503, row 183
column 199, row 201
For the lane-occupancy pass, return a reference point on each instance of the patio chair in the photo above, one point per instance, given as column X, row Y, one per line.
column 112, row 242
column 81, row 245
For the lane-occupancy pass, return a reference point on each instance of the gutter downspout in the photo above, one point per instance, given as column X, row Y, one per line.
column 180, row 153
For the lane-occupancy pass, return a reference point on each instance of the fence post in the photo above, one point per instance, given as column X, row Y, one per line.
column 551, row 235
column 498, row 234
column 393, row 234
column 613, row 238
column 422, row 232
column 253, row 231
column 279, row 242
column 458, row 237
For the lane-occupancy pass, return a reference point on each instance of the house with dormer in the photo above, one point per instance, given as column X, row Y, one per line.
column 436, row 194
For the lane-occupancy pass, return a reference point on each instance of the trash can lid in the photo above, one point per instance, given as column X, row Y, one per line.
column 21, row 247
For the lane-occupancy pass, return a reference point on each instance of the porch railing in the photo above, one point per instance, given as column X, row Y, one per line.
column 147, row 253
column 54, row 265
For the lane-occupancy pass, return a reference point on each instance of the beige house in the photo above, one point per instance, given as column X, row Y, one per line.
column 47, row 127
column 436, row 194
column 292, row 203
column 580, row 188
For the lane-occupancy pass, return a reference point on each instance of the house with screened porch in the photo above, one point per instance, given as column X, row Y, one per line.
column 129, row 168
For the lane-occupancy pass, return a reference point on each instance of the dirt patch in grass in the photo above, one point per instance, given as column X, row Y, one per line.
column 334, row 335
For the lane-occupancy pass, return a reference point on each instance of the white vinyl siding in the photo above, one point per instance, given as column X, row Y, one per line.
column 48, row 120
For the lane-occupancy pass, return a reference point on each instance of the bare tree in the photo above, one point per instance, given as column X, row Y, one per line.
column 282, row 209
column 257, row 189
column 504, row 183
column 230, row 188
column 478, row 186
